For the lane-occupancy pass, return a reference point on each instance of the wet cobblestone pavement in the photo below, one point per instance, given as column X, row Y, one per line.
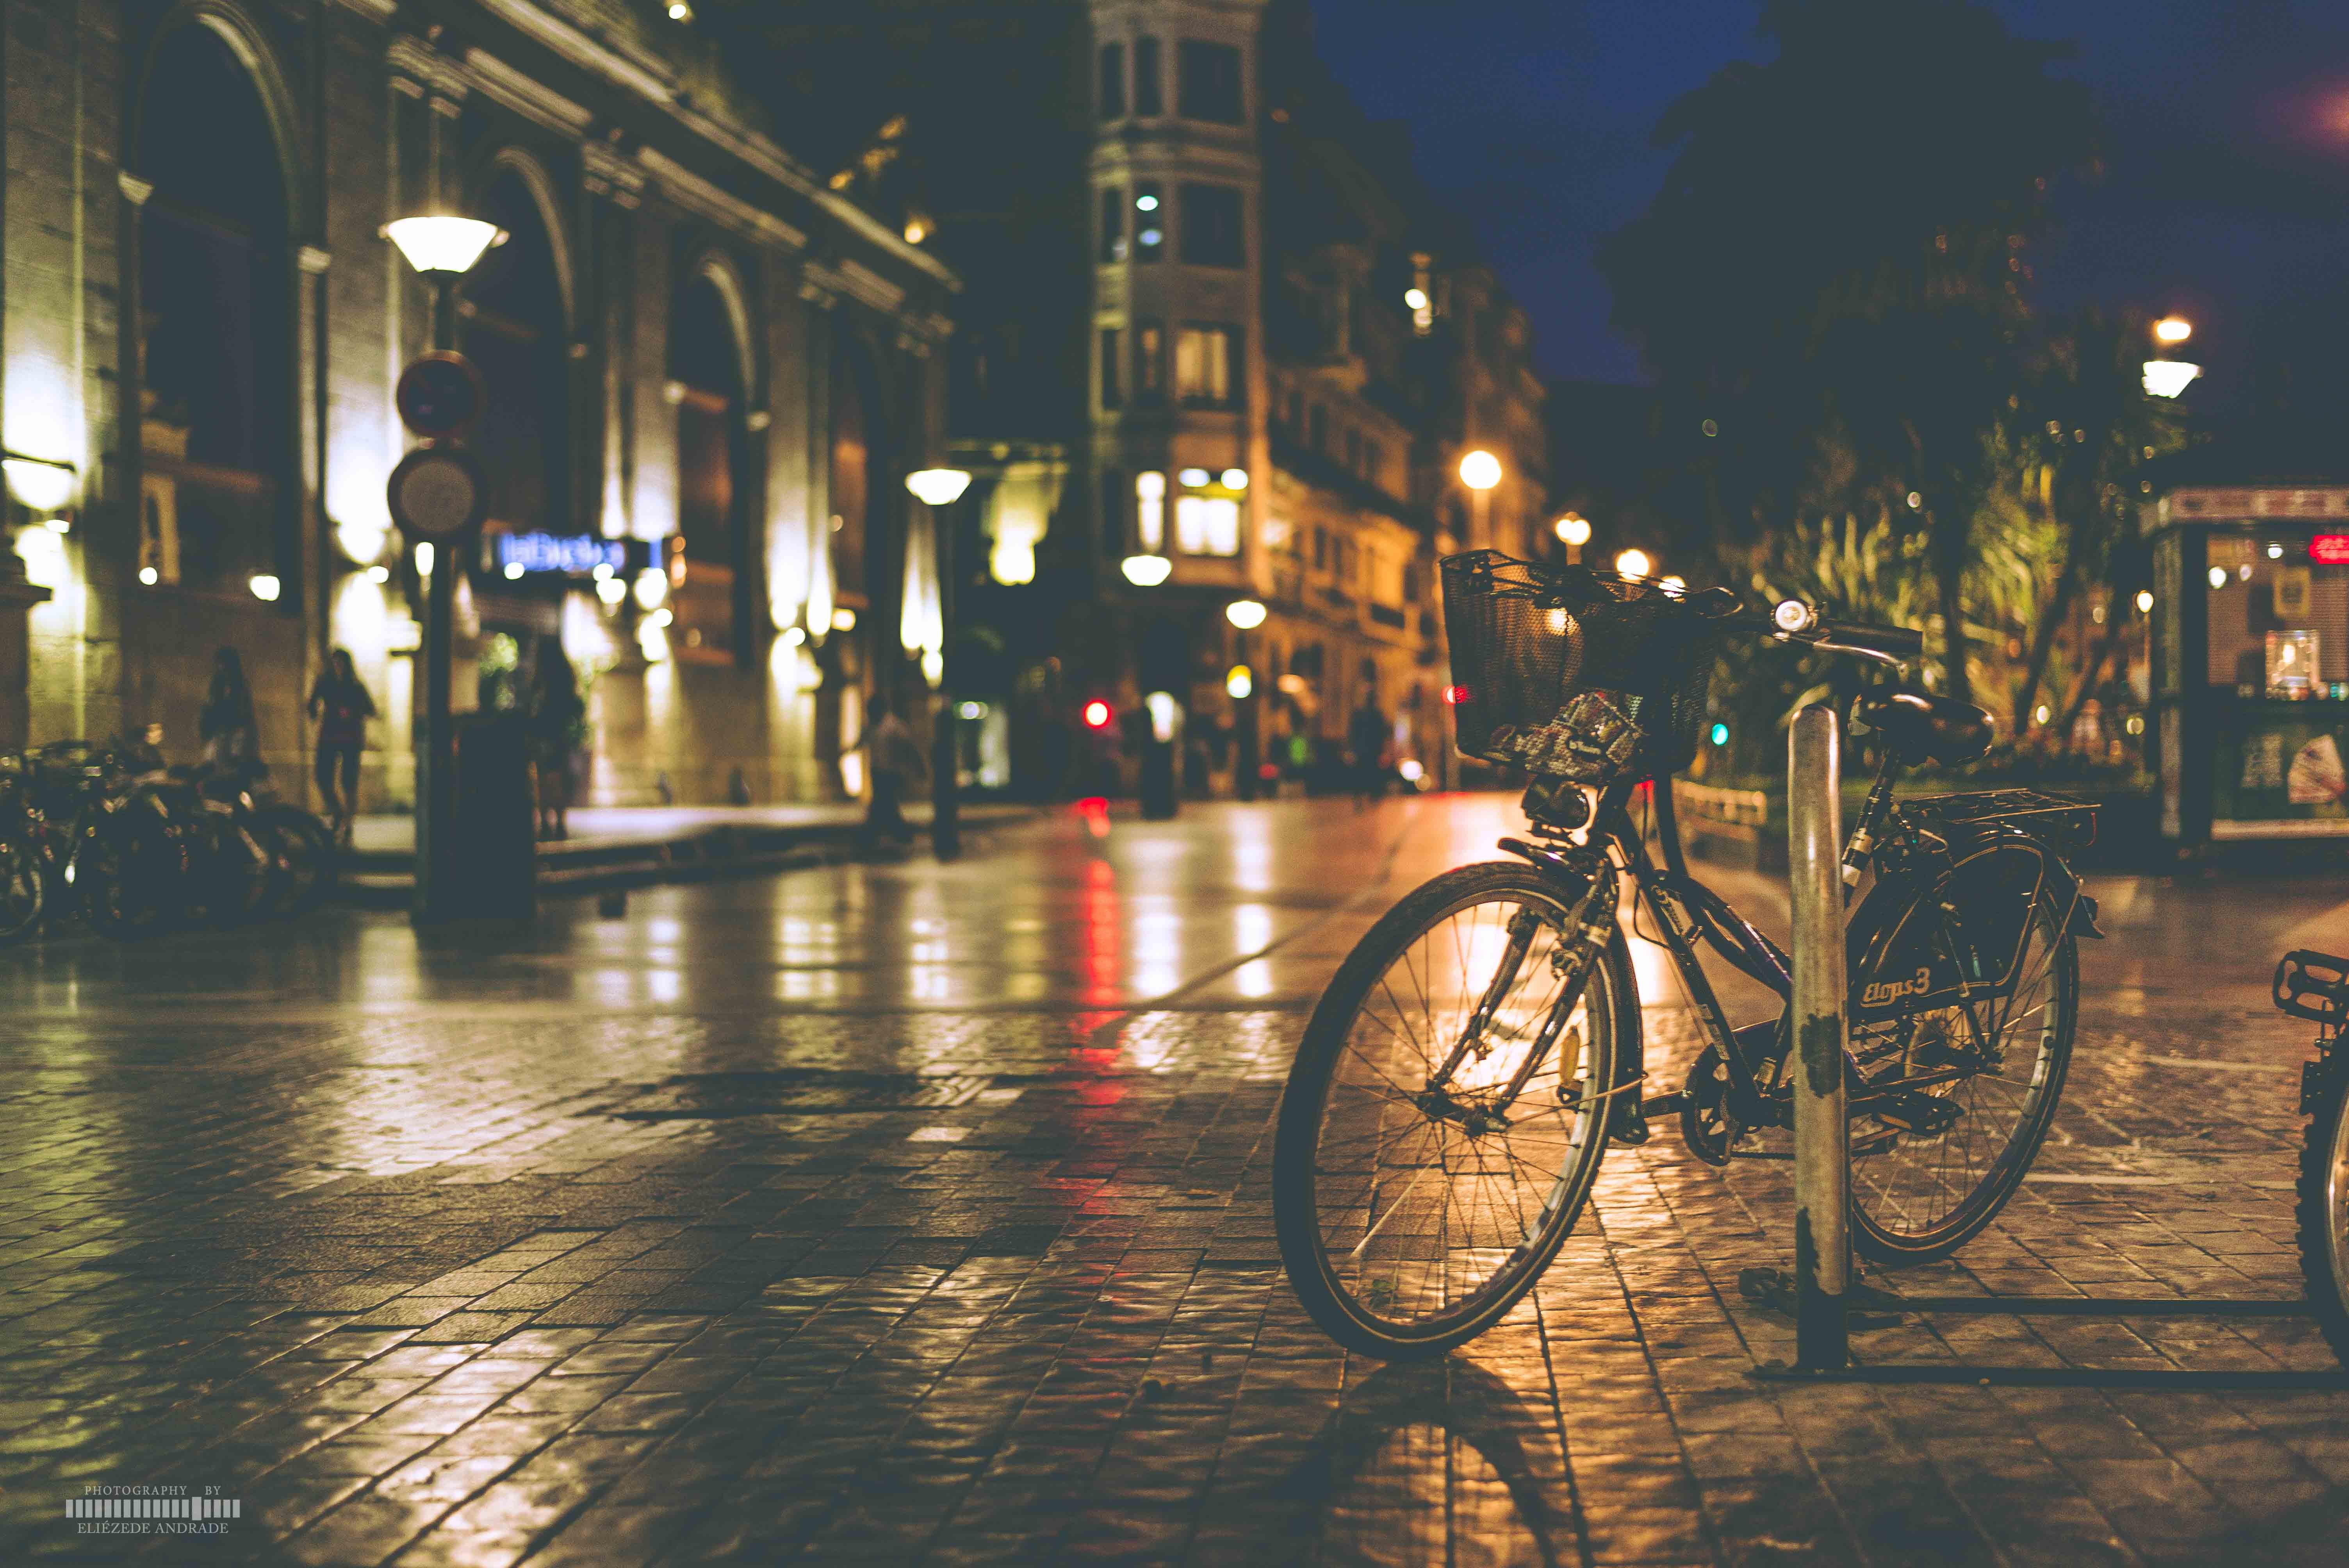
column 912, row 1214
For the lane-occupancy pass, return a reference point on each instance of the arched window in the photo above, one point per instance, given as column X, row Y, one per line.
column 216, row 319
column 714, row 476
column 514, row 332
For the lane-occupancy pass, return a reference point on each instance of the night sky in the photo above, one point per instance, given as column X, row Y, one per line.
column 2226, row 195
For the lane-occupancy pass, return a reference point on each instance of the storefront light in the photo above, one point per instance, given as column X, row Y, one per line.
column 378, row 573
column 843, row 619
column 652, row 587
column 1147, row 571
column 611, row 590
column 794, row 635
column 1192, row 479
column 149, row 576
column 2218, row 577
column 1236, row 478
column 266, row 587
column 513, row 571
column 1248, row 614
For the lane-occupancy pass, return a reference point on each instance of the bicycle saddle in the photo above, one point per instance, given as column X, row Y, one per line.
column 1924, row 727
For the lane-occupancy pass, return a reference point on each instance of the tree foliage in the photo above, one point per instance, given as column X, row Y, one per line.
column 1835, row 271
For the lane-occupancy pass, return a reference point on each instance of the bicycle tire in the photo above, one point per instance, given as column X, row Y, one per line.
column 2322, row 1212
column 1970, row 1213
column 24, row 890
column 305, row 865
column 1610, row 1023
column 133, row 873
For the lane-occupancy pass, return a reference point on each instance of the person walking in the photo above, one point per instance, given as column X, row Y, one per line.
column 341, row 706
column 557, row 722
column 1367, row 733
column 225, row 724
column 893, row 761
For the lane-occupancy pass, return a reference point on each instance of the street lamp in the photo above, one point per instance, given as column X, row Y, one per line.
column 1633, row 563
column 1574, row 529
column 2168, row 377
column 941, row 488
column 441, row 247
column 1480, row 470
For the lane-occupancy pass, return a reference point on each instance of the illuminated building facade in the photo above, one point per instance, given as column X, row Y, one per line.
column 1186, row 373
column 708, row 370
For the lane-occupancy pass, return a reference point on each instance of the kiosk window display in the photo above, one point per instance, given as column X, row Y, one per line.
column 2250, row 658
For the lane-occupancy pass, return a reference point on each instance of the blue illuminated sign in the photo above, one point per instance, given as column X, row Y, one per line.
column 574, row 556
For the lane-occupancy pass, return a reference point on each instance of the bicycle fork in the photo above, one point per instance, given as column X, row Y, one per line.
column 1582, row 941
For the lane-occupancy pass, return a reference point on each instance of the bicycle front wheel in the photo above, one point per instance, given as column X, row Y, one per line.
column 1957, row 1099
column 1419, row 1187
column 2324, row 1209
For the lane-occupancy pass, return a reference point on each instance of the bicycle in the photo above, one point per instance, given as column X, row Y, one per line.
column 2316, row 987
column 1486, row 1031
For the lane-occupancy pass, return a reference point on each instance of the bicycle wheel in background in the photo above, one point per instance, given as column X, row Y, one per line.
column 1935, row 1165
column 131, row 871
column 304, row 858
column 1411, row 1217
column 23, row 892
column 2323, row 1207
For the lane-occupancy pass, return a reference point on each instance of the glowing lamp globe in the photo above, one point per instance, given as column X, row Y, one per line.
column 1479, row 469
column 937, row 487
column 1574, row 529
column 1147, row 571
column 40, row 484
column 1246, row 613
column 441, row 243
column 2168, row 377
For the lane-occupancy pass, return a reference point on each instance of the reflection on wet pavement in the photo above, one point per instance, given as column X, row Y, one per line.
column 917, row 1214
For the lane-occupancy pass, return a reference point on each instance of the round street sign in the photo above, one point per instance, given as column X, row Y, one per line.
column 439, row 492
column 440, row 395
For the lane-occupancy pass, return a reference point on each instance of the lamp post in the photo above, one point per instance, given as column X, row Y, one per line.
column 939, row 488
column 1239, row 684
column 1480, row 470
column 441, row 247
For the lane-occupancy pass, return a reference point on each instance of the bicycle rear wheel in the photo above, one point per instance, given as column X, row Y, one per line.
column 1937, row 1161
column 1413, row 1213
column 2323, row 1207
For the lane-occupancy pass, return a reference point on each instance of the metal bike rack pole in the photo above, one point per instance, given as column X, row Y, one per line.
column 1822, row 1152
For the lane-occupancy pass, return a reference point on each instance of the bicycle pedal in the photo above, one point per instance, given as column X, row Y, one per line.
column 1671, row 1104
column 1875, row 1142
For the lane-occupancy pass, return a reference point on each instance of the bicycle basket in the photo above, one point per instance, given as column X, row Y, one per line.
column 1573, row 673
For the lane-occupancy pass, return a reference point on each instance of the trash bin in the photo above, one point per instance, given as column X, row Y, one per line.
column 495, row 859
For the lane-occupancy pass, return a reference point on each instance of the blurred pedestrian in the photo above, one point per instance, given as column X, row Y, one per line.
column 892, row 759
column 1366, row 735
column 556, row 723
column 340, row 704
column 226, row 724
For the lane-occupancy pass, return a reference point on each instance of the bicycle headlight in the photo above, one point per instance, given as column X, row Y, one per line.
column 1794, row 616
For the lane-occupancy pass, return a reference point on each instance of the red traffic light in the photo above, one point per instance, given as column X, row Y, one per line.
column 1097, row 715
column 1454, row 696
column 440, row 395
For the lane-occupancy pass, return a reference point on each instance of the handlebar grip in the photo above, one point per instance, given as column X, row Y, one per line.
column 1898, row 641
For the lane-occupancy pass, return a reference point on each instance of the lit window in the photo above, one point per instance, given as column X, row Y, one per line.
column 1150, row 512
column 1149, row 360
column 1205, row 361
column 1206, row 525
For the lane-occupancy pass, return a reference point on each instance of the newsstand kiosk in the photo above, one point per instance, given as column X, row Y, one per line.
column 2250, row 654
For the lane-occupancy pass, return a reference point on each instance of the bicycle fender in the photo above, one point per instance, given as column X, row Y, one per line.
column 1956, row 933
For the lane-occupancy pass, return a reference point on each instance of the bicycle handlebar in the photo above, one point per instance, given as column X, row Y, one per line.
column 1794, row 622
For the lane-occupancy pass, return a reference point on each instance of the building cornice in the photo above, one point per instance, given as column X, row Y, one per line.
column 501, row 83
column 696, row 195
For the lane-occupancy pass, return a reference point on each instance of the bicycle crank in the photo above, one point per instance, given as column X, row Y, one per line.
column 1708, row 1125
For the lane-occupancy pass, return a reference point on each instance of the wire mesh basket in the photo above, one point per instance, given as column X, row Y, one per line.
column 1571, row 672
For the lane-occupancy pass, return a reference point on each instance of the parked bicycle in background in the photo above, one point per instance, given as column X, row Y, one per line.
column 1462, row 1076
column 2316, row 987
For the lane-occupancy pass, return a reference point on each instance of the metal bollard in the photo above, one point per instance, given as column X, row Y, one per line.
column 1822, row 1151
